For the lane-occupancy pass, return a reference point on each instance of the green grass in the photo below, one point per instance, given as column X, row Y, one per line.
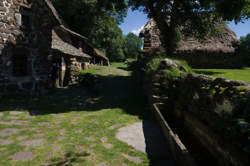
column 233, row 74
column 82, row 112
column 114, row 69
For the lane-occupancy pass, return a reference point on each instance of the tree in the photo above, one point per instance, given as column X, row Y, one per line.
column 132, row 45
column 245, row 49
column 83, row 16
column 194, row 17
column 98, row 20
column 108, row 38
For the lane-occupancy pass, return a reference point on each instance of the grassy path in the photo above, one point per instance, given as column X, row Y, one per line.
column 73, row 126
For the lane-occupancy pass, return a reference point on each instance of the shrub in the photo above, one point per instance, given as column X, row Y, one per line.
column 244, row 50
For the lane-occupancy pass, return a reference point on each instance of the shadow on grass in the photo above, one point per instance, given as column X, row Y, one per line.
column 109, row 92
column 125, row 68
column 69, row 158
column 211, row 73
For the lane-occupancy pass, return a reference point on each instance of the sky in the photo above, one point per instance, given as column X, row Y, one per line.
column 136, row 20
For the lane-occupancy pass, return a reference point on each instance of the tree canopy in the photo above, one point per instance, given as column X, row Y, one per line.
column 245, row 49
column 108, row 38
column 132, row 45
column 98, row 20
column 196, row 17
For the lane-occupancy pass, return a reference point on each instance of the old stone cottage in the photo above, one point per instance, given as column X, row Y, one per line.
column 217, row 51
column 37, row 50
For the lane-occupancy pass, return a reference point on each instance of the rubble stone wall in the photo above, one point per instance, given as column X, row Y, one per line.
column 214, row 110
column 34, row 41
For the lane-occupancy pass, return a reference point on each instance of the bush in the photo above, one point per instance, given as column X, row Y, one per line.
column 244, row 50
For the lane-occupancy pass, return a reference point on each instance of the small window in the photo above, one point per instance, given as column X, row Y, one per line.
column 26, row 17
column 20, row 65
column 26, row 21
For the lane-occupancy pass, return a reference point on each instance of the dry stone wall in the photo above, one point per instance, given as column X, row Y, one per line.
column 214, row 110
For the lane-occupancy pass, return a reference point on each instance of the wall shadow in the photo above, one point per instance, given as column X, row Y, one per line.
column 156, row 147
column 107, row 92
column 211, row 73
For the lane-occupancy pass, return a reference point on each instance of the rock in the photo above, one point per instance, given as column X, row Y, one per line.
column 60, row 138
column 168, row 64
column 78, row 131
column 32, row 143
column 114, row 126
column 43, row 123
column 5, row 142
column 104, row 139
column 136, row 160
column 8, row 132
column 15, row 112
column 62, row 131
column 23, row 156
column 145, row 137
column 19, row 138
column 108, row 146
column 89, row 138
column 39, row 135
column 14, row 122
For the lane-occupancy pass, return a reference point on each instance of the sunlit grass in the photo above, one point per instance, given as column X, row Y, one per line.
column 233, row 74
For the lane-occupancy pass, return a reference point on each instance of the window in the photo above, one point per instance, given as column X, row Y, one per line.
column 26, row 17
column 20, row 65
column 26, row 21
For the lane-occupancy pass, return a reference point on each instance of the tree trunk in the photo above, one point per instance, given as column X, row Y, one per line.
column 167, row 27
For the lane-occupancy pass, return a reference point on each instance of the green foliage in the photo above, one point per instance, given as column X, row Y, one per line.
column 108, row 37
column 184, row 64
column 245, row 49
column 98, row 20
column 236, row 126
column 173, row 74
column 153, row 65
column 132, row 44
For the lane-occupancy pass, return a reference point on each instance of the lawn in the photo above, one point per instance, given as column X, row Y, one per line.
column 233, row 74
column 74, row 125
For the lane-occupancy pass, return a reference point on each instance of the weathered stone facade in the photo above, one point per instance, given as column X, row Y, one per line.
column 28, row 61
column 25, row 45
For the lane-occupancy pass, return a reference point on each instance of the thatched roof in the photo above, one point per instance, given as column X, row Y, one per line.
column 224, row 42
column 63, row 42
column 100, row 54
column 66, row 48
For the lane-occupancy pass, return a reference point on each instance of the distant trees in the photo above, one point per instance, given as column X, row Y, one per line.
column 245, row 49
column 108, row 38
column 132, row 45
column 195, row 17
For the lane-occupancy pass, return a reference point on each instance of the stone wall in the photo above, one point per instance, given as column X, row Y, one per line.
column 34, row 41
column 215, row 111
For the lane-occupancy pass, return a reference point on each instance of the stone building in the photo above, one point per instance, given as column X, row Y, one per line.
column 37, row 50
column 217, row 51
